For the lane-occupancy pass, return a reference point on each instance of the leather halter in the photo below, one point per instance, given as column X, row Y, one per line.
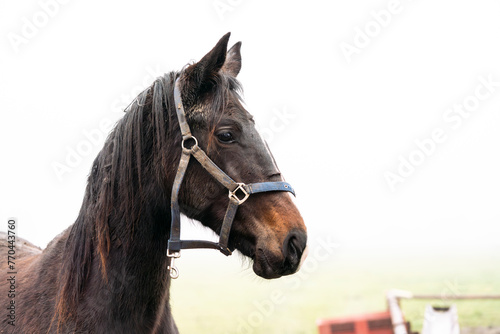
column 238, row 192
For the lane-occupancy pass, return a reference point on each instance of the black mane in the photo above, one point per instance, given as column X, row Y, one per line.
column 137, row 150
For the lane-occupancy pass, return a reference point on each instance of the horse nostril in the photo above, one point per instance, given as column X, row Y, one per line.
column 294, row 246
column 293, row 250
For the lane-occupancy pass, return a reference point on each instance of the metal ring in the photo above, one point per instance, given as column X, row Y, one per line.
column 174, row 272
column 190, row 149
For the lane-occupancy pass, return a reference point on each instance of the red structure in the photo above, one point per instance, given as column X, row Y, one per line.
column 373, row 323
column 392, row 321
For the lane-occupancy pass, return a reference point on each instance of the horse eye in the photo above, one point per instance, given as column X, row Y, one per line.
column 225, row 137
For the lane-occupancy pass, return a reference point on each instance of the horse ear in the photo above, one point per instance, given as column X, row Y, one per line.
column 198, row 77
column 232, row 66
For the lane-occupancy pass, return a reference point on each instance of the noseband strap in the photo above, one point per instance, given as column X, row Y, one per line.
column 238, row 192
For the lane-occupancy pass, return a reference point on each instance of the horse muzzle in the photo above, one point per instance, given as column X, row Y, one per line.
column 287, row 260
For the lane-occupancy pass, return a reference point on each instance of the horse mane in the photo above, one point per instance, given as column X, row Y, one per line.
column 115, row 193
column 136, row 154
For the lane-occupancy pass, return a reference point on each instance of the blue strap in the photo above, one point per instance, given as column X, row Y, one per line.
column 261, row 187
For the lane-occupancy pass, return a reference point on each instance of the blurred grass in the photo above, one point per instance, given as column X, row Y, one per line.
column 215, row 295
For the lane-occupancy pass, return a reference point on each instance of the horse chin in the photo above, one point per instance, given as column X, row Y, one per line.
column 265, row 272
column 262, row 266
column 270, row 266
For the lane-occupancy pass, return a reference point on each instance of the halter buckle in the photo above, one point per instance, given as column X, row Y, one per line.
column 233, row 194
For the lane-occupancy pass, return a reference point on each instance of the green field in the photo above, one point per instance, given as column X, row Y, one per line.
column 222, row 295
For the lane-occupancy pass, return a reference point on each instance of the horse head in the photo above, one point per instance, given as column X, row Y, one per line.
column 267, row 227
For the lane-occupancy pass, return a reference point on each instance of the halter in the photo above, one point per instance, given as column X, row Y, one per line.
column 238, row 192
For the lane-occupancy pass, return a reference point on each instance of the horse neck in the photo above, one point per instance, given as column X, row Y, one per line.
column 137, row 263
column 131, row 276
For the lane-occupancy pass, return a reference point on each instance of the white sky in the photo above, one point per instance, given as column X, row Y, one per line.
column 345, row 124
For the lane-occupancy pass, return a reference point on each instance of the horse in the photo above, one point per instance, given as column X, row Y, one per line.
column 110, row 271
